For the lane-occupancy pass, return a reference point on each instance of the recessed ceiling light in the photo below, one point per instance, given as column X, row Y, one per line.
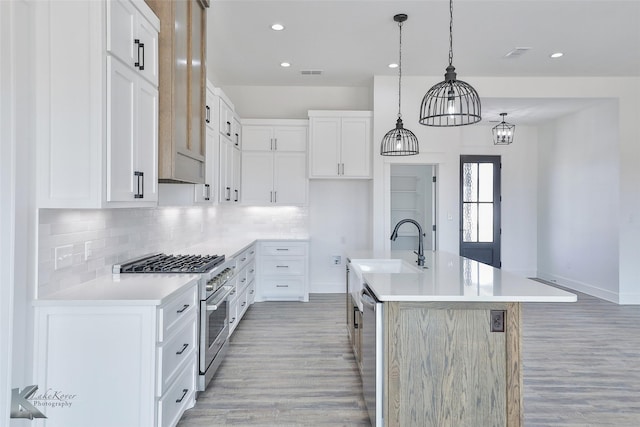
column 394, row 65
column 285, row 64
column 556, row 55
column 277, row 27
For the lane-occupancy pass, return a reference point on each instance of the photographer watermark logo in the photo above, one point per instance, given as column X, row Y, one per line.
column 24, row 403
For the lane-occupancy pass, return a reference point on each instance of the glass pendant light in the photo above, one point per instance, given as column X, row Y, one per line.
column 451, row 102
column 503, row 133
column 399, row 141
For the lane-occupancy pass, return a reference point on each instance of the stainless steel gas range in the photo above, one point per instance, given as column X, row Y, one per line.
column 213, row 293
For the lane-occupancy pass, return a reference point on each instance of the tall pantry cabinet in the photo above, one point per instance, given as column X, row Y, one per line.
column 96, row 113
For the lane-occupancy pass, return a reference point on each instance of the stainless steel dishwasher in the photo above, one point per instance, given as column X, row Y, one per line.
column 372, row 355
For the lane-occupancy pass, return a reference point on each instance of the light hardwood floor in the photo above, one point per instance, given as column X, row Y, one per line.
column 290, row 364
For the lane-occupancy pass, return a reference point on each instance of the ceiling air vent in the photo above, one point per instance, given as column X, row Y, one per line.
column 311, row 72
column 517, row 52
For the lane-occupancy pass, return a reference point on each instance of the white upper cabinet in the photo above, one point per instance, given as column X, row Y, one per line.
column 274, row 169
column 132, row 38
column 340, row 144
column 265, row 137
column 97, row 112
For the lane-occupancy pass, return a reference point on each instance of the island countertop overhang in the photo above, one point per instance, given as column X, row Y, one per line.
column 451, row 278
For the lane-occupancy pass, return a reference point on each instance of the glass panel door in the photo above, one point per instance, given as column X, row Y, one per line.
column 480, row 208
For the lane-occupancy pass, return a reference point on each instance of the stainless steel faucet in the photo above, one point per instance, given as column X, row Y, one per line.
column 420, row 252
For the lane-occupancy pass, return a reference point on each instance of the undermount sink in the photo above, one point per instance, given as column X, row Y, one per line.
column 385, row 266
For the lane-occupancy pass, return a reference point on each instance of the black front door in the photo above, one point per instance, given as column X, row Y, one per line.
column 480, row 208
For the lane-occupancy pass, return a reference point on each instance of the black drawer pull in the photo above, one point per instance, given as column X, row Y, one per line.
column 184, row 393
column 184, row 307
column 184, row 347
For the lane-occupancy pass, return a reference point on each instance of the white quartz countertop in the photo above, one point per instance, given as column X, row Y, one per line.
column 449, row 277
column 122, row 289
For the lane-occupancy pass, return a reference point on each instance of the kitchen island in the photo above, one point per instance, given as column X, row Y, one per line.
column 441, row 346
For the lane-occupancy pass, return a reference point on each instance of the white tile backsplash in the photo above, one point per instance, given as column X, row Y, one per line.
column 117, row 235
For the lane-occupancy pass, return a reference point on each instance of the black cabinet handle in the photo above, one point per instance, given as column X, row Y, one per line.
column 140, row 176
column 228, row 128
column 184, row 307
column 237, row 139
column 207, row 116
column 184, row 347
column 228, row 197
column 207, row 189
column 142, row 64
column 139, row 63
column 184, row 393
column 237, row 195
column 355, row 318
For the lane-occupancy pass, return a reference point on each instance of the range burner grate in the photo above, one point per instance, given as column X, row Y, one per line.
column 162, row 263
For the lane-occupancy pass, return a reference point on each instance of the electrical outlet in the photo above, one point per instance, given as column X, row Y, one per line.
column 63, row 257
column 497, row 320
column 337, row 260
column 88, row 250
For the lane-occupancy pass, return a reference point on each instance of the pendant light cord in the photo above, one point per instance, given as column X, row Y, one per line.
column 450, row 32
column 400, row 73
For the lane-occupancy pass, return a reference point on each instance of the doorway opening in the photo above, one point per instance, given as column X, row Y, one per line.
column 413, row 196
column 480, row 209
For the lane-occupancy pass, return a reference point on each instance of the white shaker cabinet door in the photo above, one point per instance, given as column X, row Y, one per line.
column 121, row 132
column 257, row 138
column 356, row 147
column 121, row 31
column 290, row 179
column 257, row 178
column 324, row 150
column 290, row 138
column 147, row 140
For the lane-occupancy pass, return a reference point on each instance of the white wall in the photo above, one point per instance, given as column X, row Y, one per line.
column 443, row 146
column 339, row 222
column 578, row 237
column 293, row 102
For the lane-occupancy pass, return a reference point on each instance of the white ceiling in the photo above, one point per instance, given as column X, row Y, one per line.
column 353, row 40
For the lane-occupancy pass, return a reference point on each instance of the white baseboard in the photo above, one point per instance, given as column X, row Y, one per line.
column 326, row 287
column 586, row 288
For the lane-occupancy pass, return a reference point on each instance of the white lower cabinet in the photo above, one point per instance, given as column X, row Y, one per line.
column 244, row 293
column 283, row 271
column 125, row 365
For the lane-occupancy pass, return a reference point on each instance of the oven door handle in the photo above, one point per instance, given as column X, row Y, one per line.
column 226, row 290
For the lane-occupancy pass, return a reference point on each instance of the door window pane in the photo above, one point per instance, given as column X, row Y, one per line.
column 485, row 182
column 485, row 222
column 470, row 222
column 470, row 184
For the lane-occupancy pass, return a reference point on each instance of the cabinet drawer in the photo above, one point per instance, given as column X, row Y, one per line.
column 251, row 293
column 245, row 257
column 170, row 315
column 284, row 248
column 287, row 288
column 176, row 353
column 178, row 397
column 283, row 266
column 243, row 280
column 251, row 271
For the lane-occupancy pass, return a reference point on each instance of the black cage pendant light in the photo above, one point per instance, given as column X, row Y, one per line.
column 451, row 102
column 503, row 133
column 399, row 141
